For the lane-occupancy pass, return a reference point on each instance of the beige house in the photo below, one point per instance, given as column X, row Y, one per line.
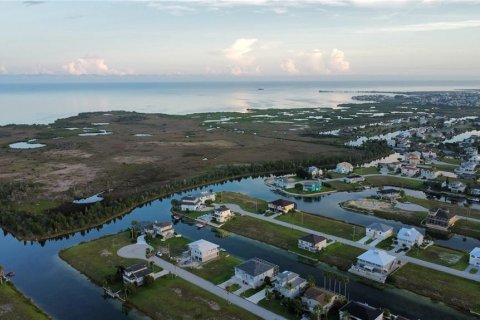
column 282, row 206
column 312, row 243
column 203, row 251
column 222, row 214
column 315, row 296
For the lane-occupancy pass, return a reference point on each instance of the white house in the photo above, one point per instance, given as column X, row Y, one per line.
column 344, row 167
column 312, row 243
column 135, row 274
column 374, row 264
column 475, row 191
column 222, row 214
column 360, row 311
column 314, row 171
column 163, row 229
column 284, row 182
column 289, row 284
column 353, row 178
column 467, row 167
column 429, row 173
column 190, row 203
column 409, row 170
column 457, row 187
column 428, row 154
column 203, row 251
column 207, row 196
column 409, row 237
column 379, row 231
column 315, row 296
column 254, row 271
column 475, row 257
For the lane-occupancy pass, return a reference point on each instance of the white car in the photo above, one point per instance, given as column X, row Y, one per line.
column 159, row 254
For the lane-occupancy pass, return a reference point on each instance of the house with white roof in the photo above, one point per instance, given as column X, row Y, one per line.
column 203, row 251
column 190, row 203
column 284, row 182
column 207, row 196
column 374, row 264
column 344, row 167
column 409, row 237
column 254, row 271
column 457, row 186
column 289, row 284
column 222, row 214
column 379, row 231
column 475, row 257
column 467, row 167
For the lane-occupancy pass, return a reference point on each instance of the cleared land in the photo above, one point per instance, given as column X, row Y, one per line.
column 454, row 208
column 218, row 270
column 245, row 202
column 14, row 305
column 379, row 181
column 441, row 255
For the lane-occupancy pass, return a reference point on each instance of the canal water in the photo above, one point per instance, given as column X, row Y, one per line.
column 65, row 294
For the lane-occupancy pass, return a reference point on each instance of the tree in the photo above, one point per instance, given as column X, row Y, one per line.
column 311, row 281
column 1, row 274
column 318, row 311
column 148, row 280
column 267, row 281
column 298, row 186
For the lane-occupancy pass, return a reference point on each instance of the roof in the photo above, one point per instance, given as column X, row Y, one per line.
column 290, row 277
column 378, row 257
column 222, row 208
column 190, row 199
column 203, row 245
column 351, row 176
column 282, row 202
column 388, row 191
column 256, row 266
column 313, row 238
column 441, row 213
column 361, row 310
column 380, row 227
column 345, row 164
column 135, row 267
column 475, row 252
column 408, row 234
column 320, row 295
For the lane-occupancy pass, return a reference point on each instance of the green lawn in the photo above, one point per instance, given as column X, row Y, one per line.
column 379, row 181
column 455, row 291
column 454, row 208
column 245, row 202
column 14, row 305
column 340, row 255
column 219, row 270
column 441, row 255
column 343, row 186
column 445, row 167
column 363, row 171
column 323, row 224
column 386, row 244
column 250, row 292
column 323, row 189
column 275, row 306
column 36, row 207
column 467, row 228
column 233, row 287
column 451, row 160
column 175, row 245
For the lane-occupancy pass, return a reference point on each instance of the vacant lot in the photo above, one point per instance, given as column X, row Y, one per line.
column 218, row 270
column 380, row 181
column 245, row 202
column 15, row 306
column 443, row 256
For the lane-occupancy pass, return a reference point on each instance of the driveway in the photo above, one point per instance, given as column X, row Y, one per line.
column 260, row 295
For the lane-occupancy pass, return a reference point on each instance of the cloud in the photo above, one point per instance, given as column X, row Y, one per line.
column 280, row 10
column 237, row 52
column 431, row 26
column 317, row 62
column 90, row 65
column 32, row 3
column 3, row 70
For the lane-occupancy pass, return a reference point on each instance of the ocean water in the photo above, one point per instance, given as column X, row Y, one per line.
column 42, row 103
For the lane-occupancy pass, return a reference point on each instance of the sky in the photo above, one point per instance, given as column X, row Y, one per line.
column 305, row 39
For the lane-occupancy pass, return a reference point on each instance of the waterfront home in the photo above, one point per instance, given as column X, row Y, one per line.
column 394, row 166
column 413, row 158
column 203, row 251
column 207, row 196
column 409, row 237
column 314, row 172
column 379, row 231
column 475, row 257
column 428, row 154
column 312, row 186
column 154, row 229
column 354, row 310
column 222, row 214
column 467, row 167
column 374, row 264
column 284, row 182
column 440, row 218
column 135, row 274
column 289, row 284
column 254, row 271
column 353, row 178
column 344, row 167
column 409, row 171
column 312, row 243
column 315, row 296
column 457, row 186
column 281, row 206
column 190, row 203
column 389, row 194
column 429, row 173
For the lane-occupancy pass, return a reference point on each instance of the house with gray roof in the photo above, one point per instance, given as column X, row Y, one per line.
column 360, row 311
column 379, row 231
column 312, row 242
column 135, row 274
column 254, row 271
column 289, row 284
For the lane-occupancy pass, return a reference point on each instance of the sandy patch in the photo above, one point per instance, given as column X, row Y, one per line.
column 211, row 304
column 60, row 180
column 105, row 253
column 177, row 291
column 135, row 159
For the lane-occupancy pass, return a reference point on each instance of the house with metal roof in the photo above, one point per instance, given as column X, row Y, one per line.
column 409, row 237
column 289, row 284
column 379, row 231
column 254, row 271
column 190, row 203
column 135, row 274
column 312, row 242
column 203, row 251
column 374, row 264
column 354, row 310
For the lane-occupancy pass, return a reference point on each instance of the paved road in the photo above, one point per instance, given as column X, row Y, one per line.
column 137, row 251
column 402, row 258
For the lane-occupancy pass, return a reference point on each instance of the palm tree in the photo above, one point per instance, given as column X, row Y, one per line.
column 311, row 281
column 346, row 280
column 318, row 311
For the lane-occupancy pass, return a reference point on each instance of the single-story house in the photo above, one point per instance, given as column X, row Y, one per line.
column 440, row 218
column 190, row 203
column 254, row 271
column 289, row 284
column 135, row 274
column 353, row 178
column 344, row 167
column 379, row 231
column 315, row 296
column 475, row 257
column 360, row 311
column 457, row 186
column 282, row 205
column 374, row 264
column 410, row 170
column 429, row 173
column 389, row 194
column 312, row 243
column 409, row 237
column 222, row 214
column 312, row 186
column 203, row 251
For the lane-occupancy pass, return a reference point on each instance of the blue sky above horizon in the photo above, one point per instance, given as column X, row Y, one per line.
column 314, row 39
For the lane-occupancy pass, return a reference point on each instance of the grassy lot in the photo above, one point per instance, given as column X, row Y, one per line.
column 233, row 287
column 343, row 186
column 452, row 290
column 445, row 167
column 195, row 214
column 36, row 207
column 386, row 244
column 245, row 202
column 427, row 203
column 334, row 175
column 275, row 306
column 363, row 171
column 219, row 270
column 467, row 228
column 175, row 245
column 450, row 160
column 440, row 255
column 379, row 181
column 175, row 298
column 322, row 224
column 14, row 305
column 98, row 259
column 340, row 255
column 250, row 292
column 322, row 190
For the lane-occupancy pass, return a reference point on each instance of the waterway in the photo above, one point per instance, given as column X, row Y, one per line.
column 65, row 294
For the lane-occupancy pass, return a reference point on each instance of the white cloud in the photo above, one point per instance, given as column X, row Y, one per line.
column 280, row 10
column 237, row 52
column 3, row 70
column 90, row 65
column 431, row 26
column 317, row 62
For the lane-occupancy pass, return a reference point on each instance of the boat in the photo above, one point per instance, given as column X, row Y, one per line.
column 176, row 217
column 200, row 225
column 10, row 274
